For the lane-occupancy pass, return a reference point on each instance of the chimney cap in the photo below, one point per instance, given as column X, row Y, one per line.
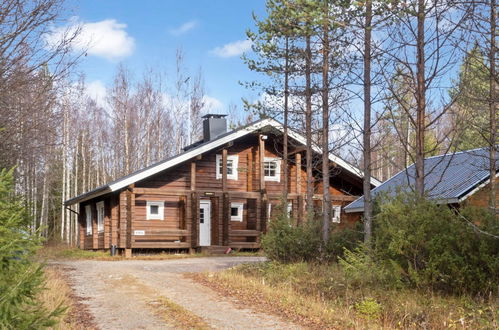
column 213, row 115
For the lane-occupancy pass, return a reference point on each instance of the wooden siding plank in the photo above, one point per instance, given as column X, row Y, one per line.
column 129, row 217
column 264, row 213
column 249, row 165
column 226, row 218
column 261, row 150
column 193, row 175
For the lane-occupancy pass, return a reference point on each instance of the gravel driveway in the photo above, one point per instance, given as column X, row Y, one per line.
column 118, row 293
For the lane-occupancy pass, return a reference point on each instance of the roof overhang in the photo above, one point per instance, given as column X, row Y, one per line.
column 205, row 147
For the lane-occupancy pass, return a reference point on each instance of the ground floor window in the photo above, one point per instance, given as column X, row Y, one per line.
column 100, row 216
column 88, row 216
column 155, row 210
column 236, row 211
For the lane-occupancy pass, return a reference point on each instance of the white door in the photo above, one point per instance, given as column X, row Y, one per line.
column 204, row 223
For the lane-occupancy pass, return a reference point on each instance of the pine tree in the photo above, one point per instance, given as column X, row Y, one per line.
column 20, row 278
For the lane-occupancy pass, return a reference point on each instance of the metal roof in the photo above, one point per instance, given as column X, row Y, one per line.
column 450, row 178
column 201, row 148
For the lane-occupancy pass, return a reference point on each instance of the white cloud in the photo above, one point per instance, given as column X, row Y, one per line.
column 184, row 28
column 235, row 48
column 211, row 104
column 97, row 91
column 107, row 38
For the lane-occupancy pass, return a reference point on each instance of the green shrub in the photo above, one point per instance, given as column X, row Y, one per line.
column 369, row 308
column 341, row 239
column 285, row 242
column 20, row 278
column 425, row 245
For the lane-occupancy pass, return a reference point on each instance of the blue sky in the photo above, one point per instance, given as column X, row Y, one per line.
column 142, row 34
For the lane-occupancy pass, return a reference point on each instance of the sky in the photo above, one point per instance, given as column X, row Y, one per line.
column 146, row 34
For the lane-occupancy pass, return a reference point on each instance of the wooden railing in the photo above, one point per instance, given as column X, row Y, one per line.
column 161, row 238
column 245, row 233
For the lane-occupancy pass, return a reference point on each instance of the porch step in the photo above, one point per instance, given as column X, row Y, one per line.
column 214, row 249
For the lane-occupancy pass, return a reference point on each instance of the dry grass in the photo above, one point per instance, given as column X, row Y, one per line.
column 59, row 293
column 318, row 296
column 63, row 252
column 176, row 315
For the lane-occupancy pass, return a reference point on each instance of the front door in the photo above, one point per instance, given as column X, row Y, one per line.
column 204, row 223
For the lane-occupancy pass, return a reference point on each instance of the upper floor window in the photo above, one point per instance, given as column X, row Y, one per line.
column 100, row 216
column 231, row 167
column 272, row 169
column 88, row 217
column 155, row 210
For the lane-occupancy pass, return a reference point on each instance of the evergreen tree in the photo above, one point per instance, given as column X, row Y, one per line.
column 21, row 279
column 470, row 115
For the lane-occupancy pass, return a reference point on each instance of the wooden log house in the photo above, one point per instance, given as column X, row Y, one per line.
column 220, row 192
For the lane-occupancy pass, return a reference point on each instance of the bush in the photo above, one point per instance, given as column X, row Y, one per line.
column 286, row 242
column 21, row 280
column 422, row 244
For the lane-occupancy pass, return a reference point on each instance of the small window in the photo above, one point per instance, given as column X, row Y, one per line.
column 290, row 209
column 236, row 211
column 100, row 217
column 155, row 210
column 88, row 215
column 231, row 167
column 272, row 169
column 336, row 213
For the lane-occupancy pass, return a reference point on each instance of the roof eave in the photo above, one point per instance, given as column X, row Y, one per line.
column 89, row 195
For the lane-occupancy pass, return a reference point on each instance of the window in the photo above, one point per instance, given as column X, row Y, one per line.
column 155, row 210
column 290, row 209
column 335, row 213
column 272, row 169
column 88, row 215
column 100, row 217
column 236, row 211
column 231, row 167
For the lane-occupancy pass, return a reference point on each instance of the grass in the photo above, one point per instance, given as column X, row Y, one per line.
column 319, row 296
column 59, row 293
column 64, row 252
column 176, row 315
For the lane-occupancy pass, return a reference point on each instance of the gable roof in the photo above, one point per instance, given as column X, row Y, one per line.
column 196, row 150
column 450, row 178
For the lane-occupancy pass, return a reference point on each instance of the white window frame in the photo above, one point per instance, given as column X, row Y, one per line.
column 234, row 159
column 337, row 213
column 240, row 211
column 100, row 216
column 88, row 217
column 161, row 210
column 289, row 208
column 277, row 177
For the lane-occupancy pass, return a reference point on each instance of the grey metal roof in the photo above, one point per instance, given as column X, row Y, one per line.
column 448, row 178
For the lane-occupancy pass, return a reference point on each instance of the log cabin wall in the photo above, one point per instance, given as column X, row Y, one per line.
column 182, row 187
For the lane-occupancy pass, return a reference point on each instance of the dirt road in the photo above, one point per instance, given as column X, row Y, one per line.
column 119, row 294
